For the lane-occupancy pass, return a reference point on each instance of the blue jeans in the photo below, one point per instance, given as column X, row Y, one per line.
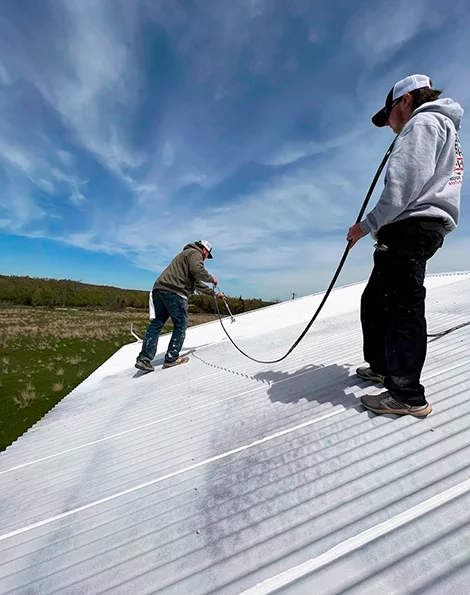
column 167, row 305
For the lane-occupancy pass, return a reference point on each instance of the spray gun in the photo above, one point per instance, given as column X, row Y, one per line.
column 232, row 317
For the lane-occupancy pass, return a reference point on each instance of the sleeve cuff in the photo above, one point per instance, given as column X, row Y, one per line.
column 364, row 225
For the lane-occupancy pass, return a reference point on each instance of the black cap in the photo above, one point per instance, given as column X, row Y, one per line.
column 381, row 117
column 406, row 85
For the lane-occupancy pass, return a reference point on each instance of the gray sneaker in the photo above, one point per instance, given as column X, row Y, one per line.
column 385, row 403
column 145, row 365
column 368, row 374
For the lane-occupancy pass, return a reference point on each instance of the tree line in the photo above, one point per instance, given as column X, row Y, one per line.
column 65, row 293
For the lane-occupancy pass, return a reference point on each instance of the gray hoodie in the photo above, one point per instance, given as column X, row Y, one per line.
column 425, row 173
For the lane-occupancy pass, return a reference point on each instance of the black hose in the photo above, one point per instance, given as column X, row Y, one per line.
column 333, row 281
column 449, row 330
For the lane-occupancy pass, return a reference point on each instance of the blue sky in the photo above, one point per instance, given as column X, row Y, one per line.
column 128, row 129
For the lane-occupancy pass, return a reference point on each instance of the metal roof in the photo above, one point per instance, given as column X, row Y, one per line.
column 227, row 476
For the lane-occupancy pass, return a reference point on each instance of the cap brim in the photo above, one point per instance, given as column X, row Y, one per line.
column 210, row 256
column 381, row 118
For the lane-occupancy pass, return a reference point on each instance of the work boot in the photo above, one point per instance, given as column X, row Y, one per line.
column 177, row 362
column 385, row 403
column 368, row 374
column 145, row 365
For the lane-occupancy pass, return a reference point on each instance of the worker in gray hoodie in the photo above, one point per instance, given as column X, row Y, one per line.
column 169, row 299
column 418, row 207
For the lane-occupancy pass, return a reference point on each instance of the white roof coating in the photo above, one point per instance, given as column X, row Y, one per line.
column 227, row 476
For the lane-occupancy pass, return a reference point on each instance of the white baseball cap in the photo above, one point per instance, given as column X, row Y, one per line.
column 406, row 85
column 207, row 245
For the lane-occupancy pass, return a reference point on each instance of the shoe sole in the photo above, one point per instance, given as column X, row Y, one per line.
column 166, row 366
column 377, row 379
column 144, row 369
column 422, row 413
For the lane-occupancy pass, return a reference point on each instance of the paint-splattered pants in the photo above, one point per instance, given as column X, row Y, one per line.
column 166, row 305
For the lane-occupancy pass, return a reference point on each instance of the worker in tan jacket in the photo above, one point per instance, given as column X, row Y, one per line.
column 169, row 299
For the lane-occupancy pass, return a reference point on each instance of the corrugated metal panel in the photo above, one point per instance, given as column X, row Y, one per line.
column 224, row 474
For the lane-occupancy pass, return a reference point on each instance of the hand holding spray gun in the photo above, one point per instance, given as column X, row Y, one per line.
column 219, row 294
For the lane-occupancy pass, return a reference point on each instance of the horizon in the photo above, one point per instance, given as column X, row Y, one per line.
column 79, row 281
column 131, row 129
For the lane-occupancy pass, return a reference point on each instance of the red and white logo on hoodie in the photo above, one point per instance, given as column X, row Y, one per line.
column 458, row 169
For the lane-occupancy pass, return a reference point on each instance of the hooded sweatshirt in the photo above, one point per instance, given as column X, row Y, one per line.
column 186, row 273
column 425, row 173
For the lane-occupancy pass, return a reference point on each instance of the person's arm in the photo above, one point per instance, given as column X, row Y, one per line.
column 412, row 164
column 203, row 288
column 196, row 267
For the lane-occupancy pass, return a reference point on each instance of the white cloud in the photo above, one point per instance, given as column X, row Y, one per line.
column 292, row 152
column 29, row 170
column 83, row 63
column 91, row 241
column 23, row 173
column 287, row 235
column 66, row 158
column 285, row 225
column 100, row 85
column 383, row 28
column 20, row 209
column 17, row 157
column 46, row 185
column 288, row 229
column 5, row 77
column 453, row 256
column 309, row 267
column 219, row 44
column 77, row 198
column 72, row 183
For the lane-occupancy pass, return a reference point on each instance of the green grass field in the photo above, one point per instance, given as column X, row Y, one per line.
column 45, row 353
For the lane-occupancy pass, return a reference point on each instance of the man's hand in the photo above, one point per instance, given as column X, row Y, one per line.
column 216, row 281
column 219, row 294
column 355, row 233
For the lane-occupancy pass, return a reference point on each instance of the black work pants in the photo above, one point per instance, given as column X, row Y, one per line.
column 393, row 305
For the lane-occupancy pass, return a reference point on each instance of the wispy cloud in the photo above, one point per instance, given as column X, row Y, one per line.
column 132, row 128
column 383, row 28
column 81, row 60
column 98, row 88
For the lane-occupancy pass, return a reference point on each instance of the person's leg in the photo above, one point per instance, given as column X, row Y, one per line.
column 373, row 318
column 177, row 308
column 410, row 246
column 407, row 333
column 406, row 342
column 150, row 342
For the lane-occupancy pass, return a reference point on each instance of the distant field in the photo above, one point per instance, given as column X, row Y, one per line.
column 45, row 353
